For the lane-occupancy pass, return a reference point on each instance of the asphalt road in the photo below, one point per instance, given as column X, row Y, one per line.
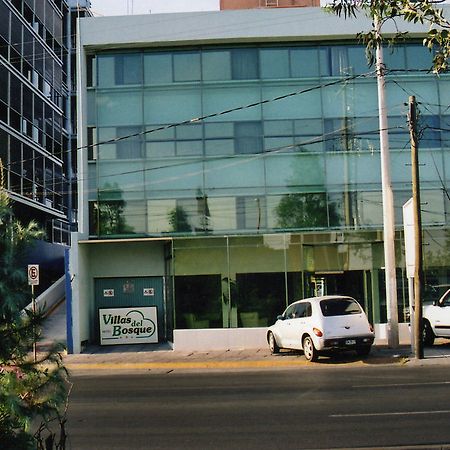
column 304, row 408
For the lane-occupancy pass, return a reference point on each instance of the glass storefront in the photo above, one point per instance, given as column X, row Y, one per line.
column 243, row 281
column 234, row 281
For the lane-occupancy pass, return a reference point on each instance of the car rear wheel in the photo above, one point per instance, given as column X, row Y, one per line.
column 427, row 333
column 273, row 346
column 309, row 350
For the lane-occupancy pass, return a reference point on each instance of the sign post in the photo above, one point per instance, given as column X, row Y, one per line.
column 33, row 280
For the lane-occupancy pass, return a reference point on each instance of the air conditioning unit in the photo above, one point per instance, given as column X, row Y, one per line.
column 271, row 3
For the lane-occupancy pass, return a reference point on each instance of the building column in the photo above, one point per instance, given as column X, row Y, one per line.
column 374, row 278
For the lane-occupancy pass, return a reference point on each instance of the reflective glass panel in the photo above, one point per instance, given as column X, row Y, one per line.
column 158, row 68
column 304, row 62
column 216, row 65
column 274, row 63
column 186, row 66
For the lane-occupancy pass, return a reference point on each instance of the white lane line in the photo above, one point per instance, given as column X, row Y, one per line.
column 434, row 383
column 405, row 413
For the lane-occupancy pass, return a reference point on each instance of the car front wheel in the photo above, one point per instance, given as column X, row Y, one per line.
column 273, row 346
column 427, row 333
column 309, row 350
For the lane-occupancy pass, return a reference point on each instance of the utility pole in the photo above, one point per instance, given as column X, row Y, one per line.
column 418, row 272
column 388, row 200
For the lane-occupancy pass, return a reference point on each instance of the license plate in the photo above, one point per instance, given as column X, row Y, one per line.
column 350, row 342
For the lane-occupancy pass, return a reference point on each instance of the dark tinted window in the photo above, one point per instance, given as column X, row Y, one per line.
column 303, row 310
column 128, row 69
column 339, row 307
column 248, row 137
column 244, row 64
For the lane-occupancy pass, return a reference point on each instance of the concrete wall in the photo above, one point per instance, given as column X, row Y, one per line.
column 50, row 297
column 219, row 339
column 237, row 338
column 80, row 282
column 254, row 25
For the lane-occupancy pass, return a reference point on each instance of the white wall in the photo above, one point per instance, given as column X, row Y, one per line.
column 239, row 338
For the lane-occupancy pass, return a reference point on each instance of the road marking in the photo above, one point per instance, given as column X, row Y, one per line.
column 434, row 383
column 405, row 413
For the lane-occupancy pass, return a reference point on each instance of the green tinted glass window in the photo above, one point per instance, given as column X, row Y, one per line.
column 304, row 62
column 186, row 66
column 244, row 64
column 418, row 57
column 128, row 69
column 158, row 68
column 216, row 65
column 274, row 63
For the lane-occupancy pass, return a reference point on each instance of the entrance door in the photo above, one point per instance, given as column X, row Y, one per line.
column 349, row 283
column 130, row 292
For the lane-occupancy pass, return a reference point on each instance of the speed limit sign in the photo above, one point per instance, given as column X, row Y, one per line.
column 33, row 274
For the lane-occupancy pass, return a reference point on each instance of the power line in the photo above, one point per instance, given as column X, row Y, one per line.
column 331, row 136
column 217, row 114
column 195, row 120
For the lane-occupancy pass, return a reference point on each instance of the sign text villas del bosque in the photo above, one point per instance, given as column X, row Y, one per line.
column 128, row 325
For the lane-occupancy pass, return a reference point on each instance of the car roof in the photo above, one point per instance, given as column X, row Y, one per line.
column 323, row 297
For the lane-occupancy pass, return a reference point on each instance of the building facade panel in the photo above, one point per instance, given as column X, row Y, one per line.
column 258, row 164
column 261, row 144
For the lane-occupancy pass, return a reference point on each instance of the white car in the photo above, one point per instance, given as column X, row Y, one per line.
column 320, row 324
column 436, row 319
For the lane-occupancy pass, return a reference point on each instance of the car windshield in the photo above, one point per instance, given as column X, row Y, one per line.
column 339, row 307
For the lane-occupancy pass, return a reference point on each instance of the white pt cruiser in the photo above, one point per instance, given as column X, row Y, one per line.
column 436, row 319
column 319, row 324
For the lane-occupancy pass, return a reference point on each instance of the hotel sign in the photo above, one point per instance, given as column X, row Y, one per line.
column 137, row 325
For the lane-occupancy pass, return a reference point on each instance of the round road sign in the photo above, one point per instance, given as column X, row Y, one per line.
column 33, row 274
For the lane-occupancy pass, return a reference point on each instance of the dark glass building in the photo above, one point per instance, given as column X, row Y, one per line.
column 36, row 119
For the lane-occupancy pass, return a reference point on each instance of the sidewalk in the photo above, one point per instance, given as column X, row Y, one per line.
column 159, row 358
column 162, row 360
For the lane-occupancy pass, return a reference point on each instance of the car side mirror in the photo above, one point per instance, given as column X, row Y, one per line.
column 280, row 317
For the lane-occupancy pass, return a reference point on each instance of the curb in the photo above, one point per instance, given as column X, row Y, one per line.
column 117, row 363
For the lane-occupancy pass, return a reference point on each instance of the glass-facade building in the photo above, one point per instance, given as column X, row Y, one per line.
column 33, row 135
column 37, row 130
column 254, row 168
column 31, row 107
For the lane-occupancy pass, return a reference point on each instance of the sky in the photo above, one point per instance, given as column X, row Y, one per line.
column 123, row 7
